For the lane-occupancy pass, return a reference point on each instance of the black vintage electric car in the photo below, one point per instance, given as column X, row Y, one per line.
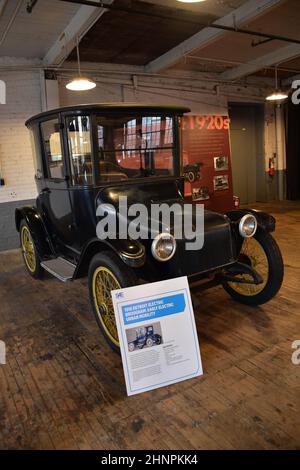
column 87, row 156
column 145, row 337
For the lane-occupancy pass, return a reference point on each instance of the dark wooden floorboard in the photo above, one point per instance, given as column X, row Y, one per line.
column 63, row 388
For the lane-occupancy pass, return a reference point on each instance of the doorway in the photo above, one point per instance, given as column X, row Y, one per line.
column 247, row 151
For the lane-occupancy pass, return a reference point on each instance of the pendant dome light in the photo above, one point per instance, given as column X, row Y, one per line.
column 80, row 83
column 277, row 94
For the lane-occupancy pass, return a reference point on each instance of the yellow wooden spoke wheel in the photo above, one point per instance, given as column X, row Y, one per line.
column 28, row 249
column 108, row 272
column 262, row 253
column 254, row 255
column 104, row 281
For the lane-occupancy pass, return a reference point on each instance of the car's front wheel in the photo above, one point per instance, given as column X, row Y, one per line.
column 149, row 342
column 262, row 253
column 30, row 255
column 106, row 273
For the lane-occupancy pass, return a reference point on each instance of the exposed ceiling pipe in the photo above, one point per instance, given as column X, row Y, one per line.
column 10, row 22
column 94, row 71
column 70, row 70
column 259, row 43
column 267, row 36
column 232, row 29
column 238, row 62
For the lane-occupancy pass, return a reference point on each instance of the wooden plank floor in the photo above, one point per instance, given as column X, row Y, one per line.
column 63, row 388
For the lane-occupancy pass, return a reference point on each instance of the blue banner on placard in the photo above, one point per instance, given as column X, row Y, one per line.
column 155, row 308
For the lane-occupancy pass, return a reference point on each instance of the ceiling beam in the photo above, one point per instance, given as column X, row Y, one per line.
column 247, row 12
column 273, row 58
column 81, row 22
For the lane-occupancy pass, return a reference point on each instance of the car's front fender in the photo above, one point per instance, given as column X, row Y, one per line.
column 265, row 221
column 132, row 253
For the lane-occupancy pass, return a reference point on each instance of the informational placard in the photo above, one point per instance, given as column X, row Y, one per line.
column 207, row 161
column 157, row 334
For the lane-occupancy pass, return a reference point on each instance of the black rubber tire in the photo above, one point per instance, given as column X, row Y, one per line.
column 38, row 273
column 276, row 272
column 125, row 276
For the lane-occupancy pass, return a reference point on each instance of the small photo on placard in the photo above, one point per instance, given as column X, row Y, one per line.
column 221, row 182
column 144, row 337
column 221, row 163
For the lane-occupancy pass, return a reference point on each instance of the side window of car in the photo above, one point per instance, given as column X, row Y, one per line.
column 79, row 140
column 36, row 151
column 53, row 149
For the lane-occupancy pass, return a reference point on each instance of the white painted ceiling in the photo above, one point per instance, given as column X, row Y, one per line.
column 31, row 35
column 283, row 20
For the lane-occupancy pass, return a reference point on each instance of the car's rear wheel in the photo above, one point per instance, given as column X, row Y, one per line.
column 106, row 273
column 263, row 254
column 131, row 347
column 29, row 252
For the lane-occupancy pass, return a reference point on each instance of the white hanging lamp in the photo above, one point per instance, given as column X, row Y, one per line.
column 277, row 94
column 80, row 83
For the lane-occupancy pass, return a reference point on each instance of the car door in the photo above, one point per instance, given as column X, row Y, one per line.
column 79, row 150
column 55, row 197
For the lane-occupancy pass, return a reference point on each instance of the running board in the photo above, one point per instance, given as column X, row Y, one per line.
column 60, row 268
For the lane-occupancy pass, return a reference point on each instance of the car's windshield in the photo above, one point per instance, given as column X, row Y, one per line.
column 134, row 147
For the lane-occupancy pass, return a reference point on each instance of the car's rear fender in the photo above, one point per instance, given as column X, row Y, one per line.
column 40, row 236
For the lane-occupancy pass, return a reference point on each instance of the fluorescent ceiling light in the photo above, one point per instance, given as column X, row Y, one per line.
column 191, row 1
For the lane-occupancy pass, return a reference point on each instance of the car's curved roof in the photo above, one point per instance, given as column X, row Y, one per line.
column 112, row 107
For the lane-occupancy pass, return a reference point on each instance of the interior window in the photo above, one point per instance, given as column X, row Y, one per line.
column 79, row 138
column 52, row 146
column 135, row 147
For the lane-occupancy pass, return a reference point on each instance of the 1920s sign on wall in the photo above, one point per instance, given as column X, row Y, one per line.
column 207, row 160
